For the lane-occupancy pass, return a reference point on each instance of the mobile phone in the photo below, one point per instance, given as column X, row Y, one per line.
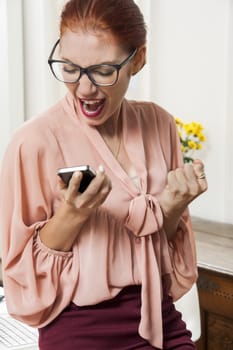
column 87, row 171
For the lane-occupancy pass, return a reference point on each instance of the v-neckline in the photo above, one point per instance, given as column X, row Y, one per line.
column 133, row 143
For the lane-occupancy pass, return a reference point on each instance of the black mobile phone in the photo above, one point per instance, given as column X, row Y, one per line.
column 87, row 171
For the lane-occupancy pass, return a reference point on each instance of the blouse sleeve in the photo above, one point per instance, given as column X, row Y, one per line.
column 38, row 281
column 182, row 248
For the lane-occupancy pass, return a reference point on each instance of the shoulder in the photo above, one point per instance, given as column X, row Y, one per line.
column 42, row 126
column 149, row 113
column 42, row 123
column 38, row 133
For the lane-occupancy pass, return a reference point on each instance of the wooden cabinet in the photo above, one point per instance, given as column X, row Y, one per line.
column 215, row 284
column 216, row 302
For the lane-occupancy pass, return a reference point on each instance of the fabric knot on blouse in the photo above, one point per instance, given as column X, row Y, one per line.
column 145, row 216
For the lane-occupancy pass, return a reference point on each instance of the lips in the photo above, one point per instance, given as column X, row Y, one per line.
column 92, row 108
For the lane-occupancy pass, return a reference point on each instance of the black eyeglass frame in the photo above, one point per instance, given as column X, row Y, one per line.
column 87, row 69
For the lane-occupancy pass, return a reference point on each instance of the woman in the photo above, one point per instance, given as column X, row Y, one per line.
column 99, row 269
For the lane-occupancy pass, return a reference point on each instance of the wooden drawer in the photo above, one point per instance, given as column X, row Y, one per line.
column 219, row 332
column 216, row 292
column 216, row 302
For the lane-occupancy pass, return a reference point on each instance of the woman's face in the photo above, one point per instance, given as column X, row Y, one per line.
column 96, row 104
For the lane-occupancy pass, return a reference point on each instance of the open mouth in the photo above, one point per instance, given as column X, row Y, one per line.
column 92, row 108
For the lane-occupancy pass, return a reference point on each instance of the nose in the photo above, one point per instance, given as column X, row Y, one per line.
column 85, row 86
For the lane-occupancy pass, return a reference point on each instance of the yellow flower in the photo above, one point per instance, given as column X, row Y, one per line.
column 192, row 144
column 191, row 137
column 178, row 121
column 183, row 148
column 202, row 137
column 189, row 129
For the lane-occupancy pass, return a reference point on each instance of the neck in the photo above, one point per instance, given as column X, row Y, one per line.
column 111, row 132
column 112, row 127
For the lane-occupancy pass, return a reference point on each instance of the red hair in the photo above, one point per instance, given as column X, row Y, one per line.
column 122, row 18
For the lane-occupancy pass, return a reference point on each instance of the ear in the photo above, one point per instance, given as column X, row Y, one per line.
column 139, row 60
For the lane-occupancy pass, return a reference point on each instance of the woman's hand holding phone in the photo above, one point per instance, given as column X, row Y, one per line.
column 61, row 231
column 92, row 195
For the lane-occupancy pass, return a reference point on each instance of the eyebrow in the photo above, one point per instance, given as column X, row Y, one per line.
column 97, row 64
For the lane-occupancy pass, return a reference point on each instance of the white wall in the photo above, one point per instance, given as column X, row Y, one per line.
column 11, row 70
column 229, row 121
column 28, row 29
column 40, row 33
column 190, row 67
column 189, row 71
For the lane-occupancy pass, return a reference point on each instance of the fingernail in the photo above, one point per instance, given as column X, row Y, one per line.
column 101, row 169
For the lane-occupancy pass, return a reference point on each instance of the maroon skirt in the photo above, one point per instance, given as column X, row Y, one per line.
column 112, row 325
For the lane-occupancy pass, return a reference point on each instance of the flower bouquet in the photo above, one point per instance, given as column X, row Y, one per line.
column 191, row 138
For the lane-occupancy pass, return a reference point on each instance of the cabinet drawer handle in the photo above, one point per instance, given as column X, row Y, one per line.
column 207, row 284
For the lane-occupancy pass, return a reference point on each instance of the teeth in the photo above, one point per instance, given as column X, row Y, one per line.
column 91, row 102
column 92, row 105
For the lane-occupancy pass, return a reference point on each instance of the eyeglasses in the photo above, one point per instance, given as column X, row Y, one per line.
column 99, row 74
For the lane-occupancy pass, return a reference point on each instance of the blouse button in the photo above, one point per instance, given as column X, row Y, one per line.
column 138, row 239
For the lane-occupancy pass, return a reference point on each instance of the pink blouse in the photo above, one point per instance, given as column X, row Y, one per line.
column 123, row 242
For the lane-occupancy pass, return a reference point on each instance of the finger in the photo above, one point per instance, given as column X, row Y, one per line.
column 196, row 187
column 196, row 178
column 189, row 172
column 61, row 183
column 102, row 193
column 198, row 162
column 199, row 168
column 88, row 200
column 97, row 183
column 101, row 197
column 97, row 190
column 183, row 182
column 101, row 169
column 74, row 183
column 177, row 180
column 106, row 187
